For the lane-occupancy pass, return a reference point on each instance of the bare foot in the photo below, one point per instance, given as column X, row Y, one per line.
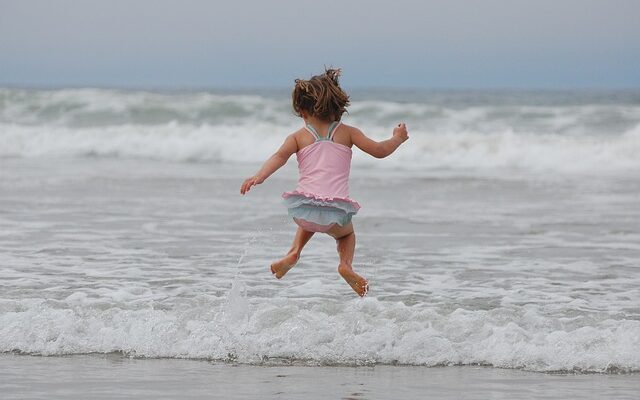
column 280, row 268
column 357, row 283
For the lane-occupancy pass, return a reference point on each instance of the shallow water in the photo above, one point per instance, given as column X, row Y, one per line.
column 504, row 233
column 162, row 259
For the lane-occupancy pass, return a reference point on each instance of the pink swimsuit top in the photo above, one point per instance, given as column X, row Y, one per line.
column 324, row 168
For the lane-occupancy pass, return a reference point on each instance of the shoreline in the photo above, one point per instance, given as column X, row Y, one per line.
column 301, row 363
column 118, row 376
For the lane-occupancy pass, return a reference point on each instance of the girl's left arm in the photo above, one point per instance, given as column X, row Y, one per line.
column 277, row 160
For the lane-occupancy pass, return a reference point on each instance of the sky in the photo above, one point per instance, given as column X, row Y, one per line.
column 269, row 43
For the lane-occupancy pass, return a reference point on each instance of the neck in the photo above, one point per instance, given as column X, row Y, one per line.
column 316, row 122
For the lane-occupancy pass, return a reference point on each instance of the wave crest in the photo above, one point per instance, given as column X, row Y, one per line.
column 358, row 332
column 202, row 126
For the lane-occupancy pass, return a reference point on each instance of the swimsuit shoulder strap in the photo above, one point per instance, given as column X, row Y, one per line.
column 333, row 128
column 313, row 131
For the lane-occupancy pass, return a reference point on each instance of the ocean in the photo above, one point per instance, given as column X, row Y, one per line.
column 503, row 237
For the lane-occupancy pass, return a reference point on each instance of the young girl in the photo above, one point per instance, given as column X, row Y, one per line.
column 320, row 202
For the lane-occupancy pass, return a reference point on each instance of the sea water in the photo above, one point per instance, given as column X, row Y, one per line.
column 504, row 233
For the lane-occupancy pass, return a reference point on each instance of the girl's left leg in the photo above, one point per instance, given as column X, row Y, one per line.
column 281, row 267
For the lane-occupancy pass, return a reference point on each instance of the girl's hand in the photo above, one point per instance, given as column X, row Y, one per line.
column 252, row 181
column 400, row 132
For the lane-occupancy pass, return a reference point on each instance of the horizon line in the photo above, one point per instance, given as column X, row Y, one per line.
column 239, row 88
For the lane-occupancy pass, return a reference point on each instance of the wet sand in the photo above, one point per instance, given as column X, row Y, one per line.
column 114, row 376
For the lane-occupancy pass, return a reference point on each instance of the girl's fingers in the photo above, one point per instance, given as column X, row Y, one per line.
column 244, row 188
column 247, row 185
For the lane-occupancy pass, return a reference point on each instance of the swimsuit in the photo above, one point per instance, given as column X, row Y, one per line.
column 321, row 199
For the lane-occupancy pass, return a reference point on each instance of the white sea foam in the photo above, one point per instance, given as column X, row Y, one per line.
column 239, row 143
column 359, row 332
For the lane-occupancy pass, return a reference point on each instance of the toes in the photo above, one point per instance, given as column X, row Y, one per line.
column 362, row 287
column 365, row 289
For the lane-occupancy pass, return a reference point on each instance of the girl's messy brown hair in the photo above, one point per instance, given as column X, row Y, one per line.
column 320, row 96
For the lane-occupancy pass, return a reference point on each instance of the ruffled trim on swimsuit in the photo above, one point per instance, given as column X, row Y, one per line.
column 327, row 201
column 320, row 210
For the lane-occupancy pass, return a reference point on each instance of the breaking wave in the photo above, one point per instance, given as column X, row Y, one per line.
column 354, row 333
column 209, row 127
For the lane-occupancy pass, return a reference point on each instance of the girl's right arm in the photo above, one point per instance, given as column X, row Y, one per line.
column 277, row 160
column 380, row 149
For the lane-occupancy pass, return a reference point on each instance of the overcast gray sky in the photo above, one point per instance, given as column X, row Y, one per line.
column 268, row 43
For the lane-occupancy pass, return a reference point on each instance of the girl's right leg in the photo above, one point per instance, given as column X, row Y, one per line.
column 281, row 267
column 346, row 240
